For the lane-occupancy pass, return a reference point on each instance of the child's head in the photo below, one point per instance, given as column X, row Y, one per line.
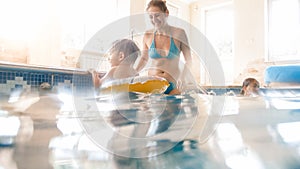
column 124, row 51
column 250, row 87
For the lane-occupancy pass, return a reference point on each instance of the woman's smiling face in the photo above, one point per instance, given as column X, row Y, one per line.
column 157, row 17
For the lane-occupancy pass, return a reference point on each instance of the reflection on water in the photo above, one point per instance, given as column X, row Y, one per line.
column 289, row 132
column 9, row 127
column 237, row 154
column 284, row 103
column 130, row 130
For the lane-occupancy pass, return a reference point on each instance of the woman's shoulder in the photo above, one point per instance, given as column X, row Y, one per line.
column 148, row 36
column 149, row 32
column 177, row 30
column 178, row 33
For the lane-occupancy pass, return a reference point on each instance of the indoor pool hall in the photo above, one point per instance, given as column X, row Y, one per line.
column 150, row 84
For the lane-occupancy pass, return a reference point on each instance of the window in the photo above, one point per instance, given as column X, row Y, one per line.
column 218, row 28
column 283, row 30
column 53, row 33
column 82, row 21
column 85, row 18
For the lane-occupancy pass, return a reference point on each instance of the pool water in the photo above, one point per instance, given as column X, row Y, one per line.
column 69, row 129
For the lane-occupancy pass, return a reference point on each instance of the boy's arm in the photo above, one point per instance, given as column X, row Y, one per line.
column 98, row 81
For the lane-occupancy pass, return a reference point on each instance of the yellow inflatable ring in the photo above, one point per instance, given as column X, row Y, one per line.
column 141, row 84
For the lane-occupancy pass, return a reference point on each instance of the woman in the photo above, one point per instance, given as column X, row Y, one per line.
column 163, row 45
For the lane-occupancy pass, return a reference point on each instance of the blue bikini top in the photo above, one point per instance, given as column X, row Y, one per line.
column 173, row 51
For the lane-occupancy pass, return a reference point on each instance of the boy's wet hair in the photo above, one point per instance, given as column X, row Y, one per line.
column 247, row 82
column 128, row 47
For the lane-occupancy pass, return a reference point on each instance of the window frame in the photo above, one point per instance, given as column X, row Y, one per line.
column 204, row 76
column 268, row 54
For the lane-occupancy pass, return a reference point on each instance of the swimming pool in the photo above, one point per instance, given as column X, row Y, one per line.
column 66, row 127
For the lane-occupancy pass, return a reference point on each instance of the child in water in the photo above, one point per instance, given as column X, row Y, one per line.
column 122, row 56
column 250, row 87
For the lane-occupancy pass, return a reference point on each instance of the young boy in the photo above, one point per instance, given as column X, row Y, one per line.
column 250, row 87
column 123, row 55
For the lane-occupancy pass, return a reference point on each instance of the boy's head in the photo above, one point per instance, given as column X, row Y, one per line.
column 124, row 51
column 250, row 87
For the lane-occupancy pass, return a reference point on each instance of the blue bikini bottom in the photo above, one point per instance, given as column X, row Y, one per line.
column 170, row 88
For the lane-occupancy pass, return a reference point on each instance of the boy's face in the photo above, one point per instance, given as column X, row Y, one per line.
column 114, row 59
column 252, row 89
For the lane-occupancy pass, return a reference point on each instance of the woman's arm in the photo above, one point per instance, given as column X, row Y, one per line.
column 185, row 48
column 144, row 57
column 186, row 76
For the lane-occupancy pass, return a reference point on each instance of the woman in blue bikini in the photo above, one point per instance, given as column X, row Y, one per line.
column 163, row 45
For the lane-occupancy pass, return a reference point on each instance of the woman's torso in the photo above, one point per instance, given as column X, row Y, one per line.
column 164, row 51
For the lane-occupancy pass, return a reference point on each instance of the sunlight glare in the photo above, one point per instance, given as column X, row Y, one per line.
column 286, row 104
column 20, row 19
column 229, row 138
column 289, row 132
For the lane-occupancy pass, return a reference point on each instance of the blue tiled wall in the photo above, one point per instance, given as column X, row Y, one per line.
column 26, row 78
